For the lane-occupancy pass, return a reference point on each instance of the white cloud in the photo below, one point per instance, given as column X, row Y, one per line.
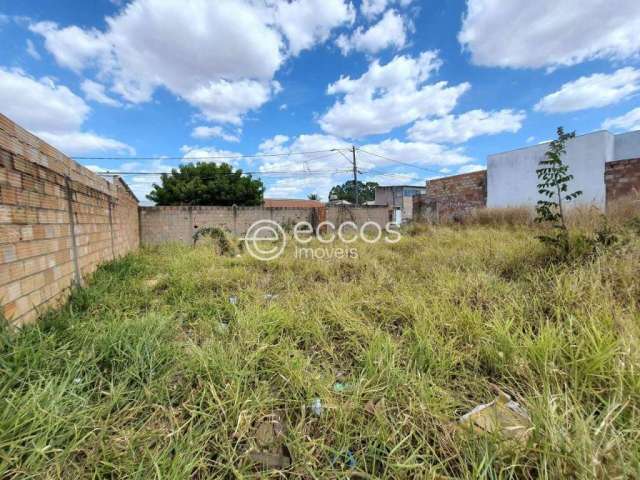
column 390, row 31
column 226, row 102
column 222, row 61
column 95, row 91
column 299, row 187
column 628, row 121
column 549, row 33
column 460, row 128
column 72, row 47
column 324, row 160
column 307, row 22
column 52, row 112
column 40, row 105
column 372, row 8
column 470, row 168
column 204, row 132
column 597, row 90
column 418, row 153
column 399, row 177
column 78, row 143
column 530, row 139
column 210, row 154
column 275, row 144
column 389, row 96
column 327, row 168
column 32, row 50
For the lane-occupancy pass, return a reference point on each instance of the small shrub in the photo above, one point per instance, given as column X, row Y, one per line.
column 219, row 237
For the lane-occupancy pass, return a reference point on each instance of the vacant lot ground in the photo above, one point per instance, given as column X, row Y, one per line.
column 155, row 370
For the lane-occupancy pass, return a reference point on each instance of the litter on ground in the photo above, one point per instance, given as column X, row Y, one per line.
column 502, row 415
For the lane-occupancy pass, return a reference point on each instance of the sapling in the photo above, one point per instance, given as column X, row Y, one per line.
column 554, row 177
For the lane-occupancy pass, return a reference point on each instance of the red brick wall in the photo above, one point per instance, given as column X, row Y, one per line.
column 452, row 197
column 622, row 179
column 37, row 259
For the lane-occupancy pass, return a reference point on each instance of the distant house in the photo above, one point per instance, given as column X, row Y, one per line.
column 291, row 203
column 399, row 200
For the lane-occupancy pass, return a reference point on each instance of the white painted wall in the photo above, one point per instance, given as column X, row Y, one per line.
column 512, row 179
column 627, row 146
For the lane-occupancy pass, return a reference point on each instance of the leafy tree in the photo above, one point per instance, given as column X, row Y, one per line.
column 554, row 178
column 206, row 183
column 347, row 191
column 313, row 196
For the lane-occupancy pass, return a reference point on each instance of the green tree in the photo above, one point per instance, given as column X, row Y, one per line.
column 313, row 196
column 554, row 178
column 347, row 191
column 207, row 183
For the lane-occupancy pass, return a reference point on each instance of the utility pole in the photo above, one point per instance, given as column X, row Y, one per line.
column 355, row 172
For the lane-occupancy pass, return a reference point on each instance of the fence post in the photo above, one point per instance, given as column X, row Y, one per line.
column 72, row 228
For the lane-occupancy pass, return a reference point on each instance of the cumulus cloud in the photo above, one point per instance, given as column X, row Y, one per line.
column 417, row 153
column 628, row 121
column 308, row 22
column 597, row 90
column 210, row 154
column 204, row 132
column 389, row 96
column 226, row 102
column 72, row 47
column 52, row 112
column 297, row 187
column 549, row 33
column 331, row 168
column 75, row 143
column 95, row 91
column 397, row 177
column 323, row 160
column 222, row 62
column 372, row 8
column 390, row 31
column 40, row 105
column 460, row 128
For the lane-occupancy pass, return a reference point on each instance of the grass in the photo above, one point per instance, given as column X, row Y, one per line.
column 151, row 372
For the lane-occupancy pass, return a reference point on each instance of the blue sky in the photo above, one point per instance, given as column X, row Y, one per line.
column 437, row 85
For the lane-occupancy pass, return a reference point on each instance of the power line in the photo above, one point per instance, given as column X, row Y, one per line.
column 256, row 155
column 401, row 163
column 273, row 172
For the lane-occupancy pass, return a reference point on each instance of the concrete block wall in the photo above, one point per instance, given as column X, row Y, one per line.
column 622, row 179
column 338, row 214
column 178, row 224
column 37, row 233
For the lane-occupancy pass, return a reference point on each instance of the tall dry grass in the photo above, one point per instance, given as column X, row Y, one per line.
column 151, row 372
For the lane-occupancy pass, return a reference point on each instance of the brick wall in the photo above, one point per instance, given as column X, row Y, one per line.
column 622, row 179
column 37, row 234
column 451, row 197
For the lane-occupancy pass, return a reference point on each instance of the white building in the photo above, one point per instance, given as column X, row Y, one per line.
column 512, row 179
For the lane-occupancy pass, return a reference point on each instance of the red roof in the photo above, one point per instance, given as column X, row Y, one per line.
column 291, row 203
